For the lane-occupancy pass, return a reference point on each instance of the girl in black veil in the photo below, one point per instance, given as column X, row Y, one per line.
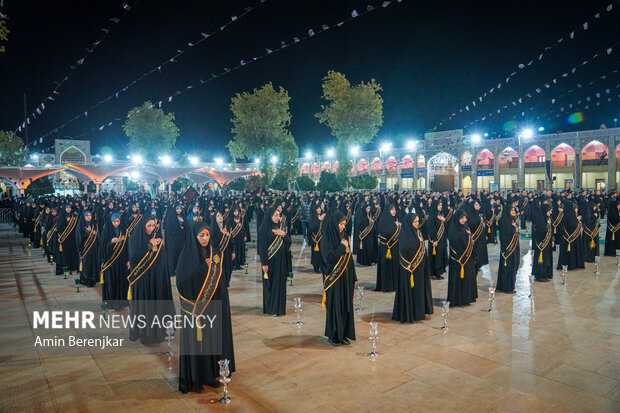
column 476, row 224
column 317, row 220
column 67, row 254
column 364, row 228
column 220, row 238
column 339, row 279
column 202, row 292
column 510, row 254
column 437, row 240
column 413, row 299
column 87, row 242
column 571, row 244
column 174, row 228
column 273, row 245
column 612, row 233
column 542, row 241
column 113, row 252
column 388, row 267
column 462, row 263
column 149, row 292
column 591, row 222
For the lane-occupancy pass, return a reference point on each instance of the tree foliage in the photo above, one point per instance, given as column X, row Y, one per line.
column 254, row 182
column 238, row 184
column 4, row 31
column 40, row 186
column 353, row 113
column 150, row 130
column 305, row 183
column 279, row 182
column 260, row 128
column 329, row 183
column 12, row 151
column 364, row 182
column 180, row 184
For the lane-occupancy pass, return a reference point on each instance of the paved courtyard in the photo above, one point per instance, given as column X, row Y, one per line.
column 559, row 351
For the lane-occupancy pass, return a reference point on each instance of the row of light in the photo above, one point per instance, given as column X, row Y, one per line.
column 387, row 146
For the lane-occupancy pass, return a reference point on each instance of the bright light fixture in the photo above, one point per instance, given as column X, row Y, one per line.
column 476, row 138
column 527, row 133
column 355, row 150
column 218, row 161
column 308, row 154
column 137, row 159
column 386, row 146
column 193, row 160
column 411, row 144
column 274, row 159
column 330, row 153
column 165, row 160
column 107, row 158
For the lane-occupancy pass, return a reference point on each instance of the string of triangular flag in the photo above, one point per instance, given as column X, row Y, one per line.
column 543, row 87
column 245, row 62
column 580, row 86
column 589, row 102
column 523, row 66
column 89, row 51
column 157, row 69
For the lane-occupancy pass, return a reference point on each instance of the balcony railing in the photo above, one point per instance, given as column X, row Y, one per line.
column 534, row 164
column 595, row 162
column 562, row 163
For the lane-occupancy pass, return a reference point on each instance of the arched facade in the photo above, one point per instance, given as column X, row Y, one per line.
column 391, row 165
column 314, row 169
column 442, row 172
column 325, row 167
column 509, row 158
column 362, row 166
column 73, row 155
column 376, row 165
column 407, row 162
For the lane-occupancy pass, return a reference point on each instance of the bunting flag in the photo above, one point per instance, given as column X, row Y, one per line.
column 544, row 87
column 523, row 66
column 41, row 106
column 242, row 63
column 158, row 68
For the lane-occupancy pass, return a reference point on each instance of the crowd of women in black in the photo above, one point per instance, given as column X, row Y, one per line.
column 132, row 245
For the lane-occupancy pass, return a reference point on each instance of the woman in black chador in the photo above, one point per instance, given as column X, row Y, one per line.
column 571, row 243
column 237, row 237
column 364, row 227
column 174, row 227
column 591, row 222
column 437, row 241
column 88, row 244
column 510, row 254
column 113, row 252
column 339, row 279
column 388, row 267
column 317, row 219
column 220, row 238
column 462, row 262
column 67, row 254
column 149, row 292
column 202, row 293
column 612, row 233
column 273, row 246
column 476, row 224
column 542, row 242
column 413, row 298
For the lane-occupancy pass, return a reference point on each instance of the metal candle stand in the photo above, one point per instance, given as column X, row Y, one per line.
column 564, row 274
column 359, row 294
column 298, row 310
column 169, row 353
column 224, row 373
column 77, row 285
column 491, row 299
column 532, row 280
column 618, row 258
column 290, row 276
column 374, row 333
column 597, row 260
column 445, row 309
column 246, row 267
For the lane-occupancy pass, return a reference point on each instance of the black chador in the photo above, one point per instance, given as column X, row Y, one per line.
column 462, row 263
column 365, row 227
column 571, row 242
column 437, row 240
column 591, row 223
column 237, row 237
column 317, row 218
column 149, row 292
column 113, row 273
column 413, row 299
column 612, row 233
column 220, row 238
column 67, row 254
column 174, row 229
column 510, row 254
column 88, row 244
column 542, row 242
column 388, row 267
column 273, row 246
column 202, row 293
column 339, row 279
column 476, row 225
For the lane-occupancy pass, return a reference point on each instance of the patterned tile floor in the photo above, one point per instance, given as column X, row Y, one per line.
column 557, row 352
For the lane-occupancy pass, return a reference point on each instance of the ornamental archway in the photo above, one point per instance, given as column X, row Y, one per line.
column 442, row 172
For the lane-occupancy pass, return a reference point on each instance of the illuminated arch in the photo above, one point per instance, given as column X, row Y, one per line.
column 594, row 153
column 407, row 162
column 376, row 165
column 391, row 165
column 466, row 158
column 563, row 155
column 508, row 158
column 314, row 170
column 485, row 159
column 362, row 166
column 325, row 167
column 73, row 155
column 534, row 154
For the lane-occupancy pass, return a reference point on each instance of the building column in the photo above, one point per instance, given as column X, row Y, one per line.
column 496, row 170
column 521, row 172
column 548, row 179
column 474, row 169
column 399, row 178
column 611, row 163
column 97, row 188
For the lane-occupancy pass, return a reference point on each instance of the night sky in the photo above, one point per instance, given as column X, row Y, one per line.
column 432, row 58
